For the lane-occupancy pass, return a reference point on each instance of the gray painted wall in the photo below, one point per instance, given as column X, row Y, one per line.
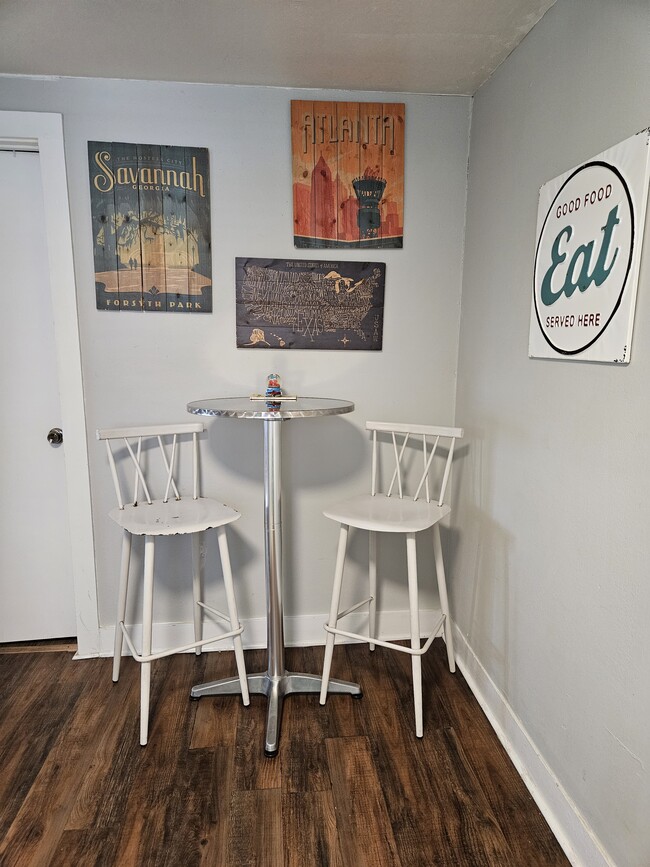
column 551, row 578
column 145, row 368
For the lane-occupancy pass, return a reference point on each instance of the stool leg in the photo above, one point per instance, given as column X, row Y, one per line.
column 416, row 661
column 121, row 603
column 334, row 610
column 232, row 611
column 198, row 561
column 442, row 592
column 147, row 623
column 372, row 581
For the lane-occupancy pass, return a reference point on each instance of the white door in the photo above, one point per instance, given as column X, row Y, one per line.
column 36, row 582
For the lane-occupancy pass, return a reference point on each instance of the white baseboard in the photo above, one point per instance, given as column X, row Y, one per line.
column 574, row 835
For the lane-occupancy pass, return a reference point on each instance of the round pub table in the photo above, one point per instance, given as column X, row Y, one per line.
column 276, row 682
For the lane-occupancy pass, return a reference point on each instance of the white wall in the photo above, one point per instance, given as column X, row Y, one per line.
column 551, row 583
column 143, row 367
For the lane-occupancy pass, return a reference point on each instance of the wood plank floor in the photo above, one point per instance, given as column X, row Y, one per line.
column 351, row 786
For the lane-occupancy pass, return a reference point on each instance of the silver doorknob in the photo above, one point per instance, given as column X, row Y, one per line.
column 55, row 436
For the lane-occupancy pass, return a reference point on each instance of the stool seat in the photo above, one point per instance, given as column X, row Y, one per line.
column 174, row 517
column 387, row 514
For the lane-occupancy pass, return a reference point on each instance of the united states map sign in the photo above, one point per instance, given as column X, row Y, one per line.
column 294, row 304
column 590, row 225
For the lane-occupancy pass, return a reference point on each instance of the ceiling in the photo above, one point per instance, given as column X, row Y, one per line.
column 427, row 46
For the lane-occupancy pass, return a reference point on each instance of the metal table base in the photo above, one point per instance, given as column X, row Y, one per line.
column 276, row 682
column 275, row 689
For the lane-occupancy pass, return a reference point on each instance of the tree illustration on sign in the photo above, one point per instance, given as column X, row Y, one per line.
column 132, row 230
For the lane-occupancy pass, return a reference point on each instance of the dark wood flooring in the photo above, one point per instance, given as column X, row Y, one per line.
column 351, row 786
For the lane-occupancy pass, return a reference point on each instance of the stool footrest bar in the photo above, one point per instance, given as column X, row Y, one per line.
column 354, row 608
column 214, row 611
column 389, row 644
column 169, row 652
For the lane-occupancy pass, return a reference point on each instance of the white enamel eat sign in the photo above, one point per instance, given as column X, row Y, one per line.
column 588, row 249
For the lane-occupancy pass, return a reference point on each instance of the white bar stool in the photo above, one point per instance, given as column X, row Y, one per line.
column 394, row 512
column 171, row 515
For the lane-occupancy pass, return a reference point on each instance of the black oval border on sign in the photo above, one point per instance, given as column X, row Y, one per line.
column 627, row 271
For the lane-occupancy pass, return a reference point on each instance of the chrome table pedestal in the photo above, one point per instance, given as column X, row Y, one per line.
column 276, row 682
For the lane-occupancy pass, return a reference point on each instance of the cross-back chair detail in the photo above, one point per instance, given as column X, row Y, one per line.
column 395, row 511
column 425, row 433
column 145, row 461
column 156, row 434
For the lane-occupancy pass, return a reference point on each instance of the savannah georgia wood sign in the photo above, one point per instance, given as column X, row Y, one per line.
column 292, row 304
column 589, row 234
column 151, row 227
column 348, row 174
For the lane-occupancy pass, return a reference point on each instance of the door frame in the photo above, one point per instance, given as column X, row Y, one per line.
column 45, row 130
